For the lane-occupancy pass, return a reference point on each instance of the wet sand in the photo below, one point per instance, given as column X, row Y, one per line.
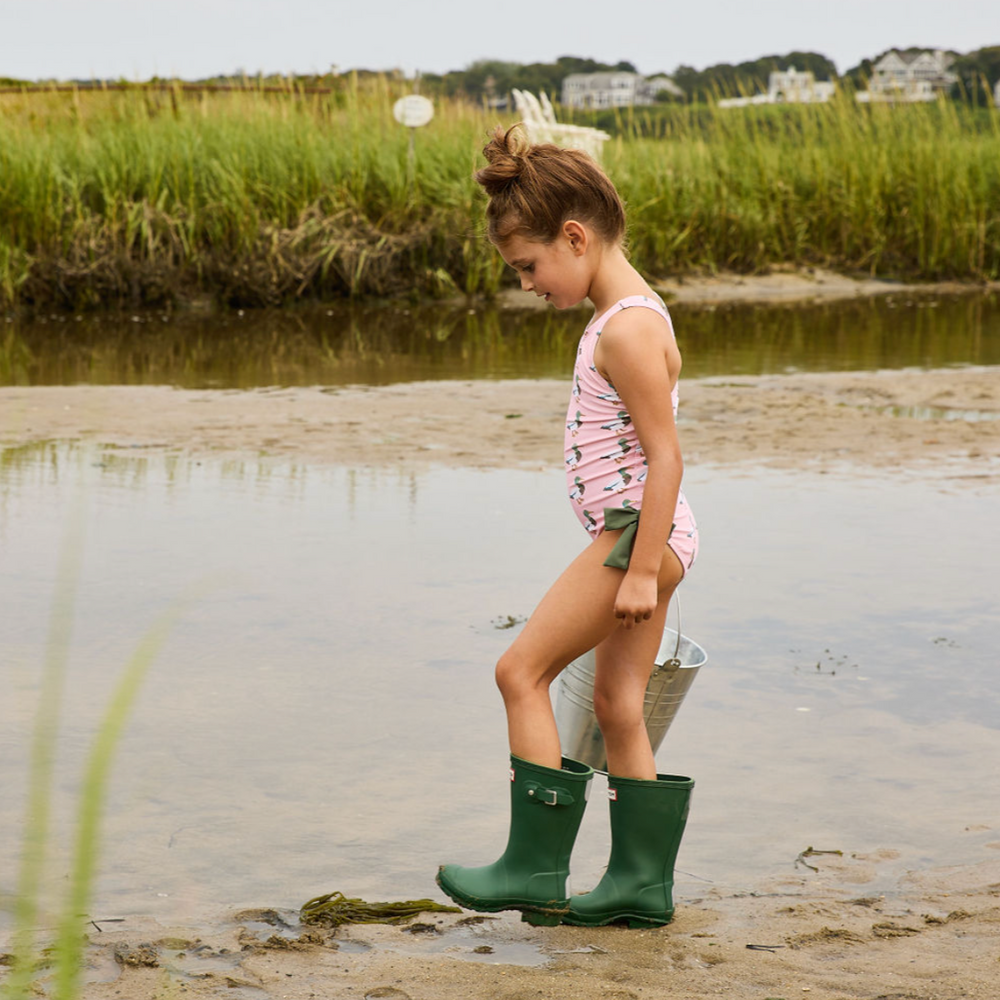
column 820, row 934
column 782, row 285
column 797, row 285
column 856, row 927
column 941, row 423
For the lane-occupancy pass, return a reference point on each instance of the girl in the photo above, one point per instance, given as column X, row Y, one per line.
column 556, row 218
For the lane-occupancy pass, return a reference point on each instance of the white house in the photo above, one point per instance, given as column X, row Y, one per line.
column 796, row 87
column 789, row 86
column 614, row 90
column 909, row 76
column 653, row 85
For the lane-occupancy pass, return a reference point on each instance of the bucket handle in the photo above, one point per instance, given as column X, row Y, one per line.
column 675, row 661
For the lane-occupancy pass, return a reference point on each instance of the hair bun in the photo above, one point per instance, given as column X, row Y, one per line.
column 534, row 188
column 506, row 153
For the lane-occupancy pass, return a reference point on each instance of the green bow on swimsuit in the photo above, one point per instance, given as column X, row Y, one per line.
column 627, row 519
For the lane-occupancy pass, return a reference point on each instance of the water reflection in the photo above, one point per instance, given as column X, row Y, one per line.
column 344, row 344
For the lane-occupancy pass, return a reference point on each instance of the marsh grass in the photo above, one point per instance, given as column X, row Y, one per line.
column 65, row 956
column 258, row 197
column 908, row 191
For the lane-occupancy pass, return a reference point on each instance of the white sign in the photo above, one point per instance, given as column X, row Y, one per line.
column 413, row 111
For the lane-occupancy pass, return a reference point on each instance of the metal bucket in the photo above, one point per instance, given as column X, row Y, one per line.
column 676, row 665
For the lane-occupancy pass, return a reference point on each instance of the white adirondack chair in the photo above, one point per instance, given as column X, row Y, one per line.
column 540, row 120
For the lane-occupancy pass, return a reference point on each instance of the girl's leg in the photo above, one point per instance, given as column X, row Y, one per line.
column 648, row 811
column 624, row 662
column 547, row 799
column 576, row 614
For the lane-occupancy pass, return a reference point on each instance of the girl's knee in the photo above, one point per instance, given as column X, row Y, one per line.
column 510, row 674
column 602, row 706
column 519, row 676
column 616, row 713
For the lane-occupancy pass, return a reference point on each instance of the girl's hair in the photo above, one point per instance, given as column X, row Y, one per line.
column 533, row 190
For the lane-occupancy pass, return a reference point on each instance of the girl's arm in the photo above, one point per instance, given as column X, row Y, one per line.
column 638, row 355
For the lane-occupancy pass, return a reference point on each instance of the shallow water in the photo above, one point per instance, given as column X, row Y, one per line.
column 344, row 344
column 323, row 715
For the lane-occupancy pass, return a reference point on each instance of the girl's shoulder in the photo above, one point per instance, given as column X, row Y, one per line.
column 643, row 302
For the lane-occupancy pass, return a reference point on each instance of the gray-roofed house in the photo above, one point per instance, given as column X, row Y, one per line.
column 909, row 76
column 614, row 89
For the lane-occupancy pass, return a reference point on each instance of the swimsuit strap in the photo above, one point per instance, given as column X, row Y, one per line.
column 628, row 302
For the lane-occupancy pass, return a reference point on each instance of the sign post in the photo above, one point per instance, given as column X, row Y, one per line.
column 414, row 111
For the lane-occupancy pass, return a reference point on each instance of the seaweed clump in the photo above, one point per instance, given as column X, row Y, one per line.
column 335, row 909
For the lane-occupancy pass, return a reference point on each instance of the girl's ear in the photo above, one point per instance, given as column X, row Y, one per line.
column 576, row 235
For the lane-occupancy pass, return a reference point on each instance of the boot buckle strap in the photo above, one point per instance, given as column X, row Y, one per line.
column 548, row 796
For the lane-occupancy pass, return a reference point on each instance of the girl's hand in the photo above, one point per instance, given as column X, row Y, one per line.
column 636, row 600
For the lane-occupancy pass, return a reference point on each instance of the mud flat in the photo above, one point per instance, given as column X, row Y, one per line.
column 943, row 423
column 780, row 286
column 822, row 933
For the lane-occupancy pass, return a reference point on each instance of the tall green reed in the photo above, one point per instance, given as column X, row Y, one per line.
column 235, row 191
column 261, row 197
column 906, row 191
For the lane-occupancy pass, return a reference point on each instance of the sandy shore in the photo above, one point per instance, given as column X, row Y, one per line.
column 781, row 286
column 823, row 935
column 936, row 423
column 854, row 928
column 796, row 285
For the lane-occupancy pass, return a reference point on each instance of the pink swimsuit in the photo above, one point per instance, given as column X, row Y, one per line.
column 605, row 464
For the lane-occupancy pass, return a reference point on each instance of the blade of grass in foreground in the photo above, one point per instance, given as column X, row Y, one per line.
column 43, row 742
column 68, row 947
column 70, row 939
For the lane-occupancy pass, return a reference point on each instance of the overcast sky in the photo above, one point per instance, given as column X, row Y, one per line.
column 136, row 39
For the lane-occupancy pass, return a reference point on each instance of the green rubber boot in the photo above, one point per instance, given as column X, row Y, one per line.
column 546, row 807
column 647, row 823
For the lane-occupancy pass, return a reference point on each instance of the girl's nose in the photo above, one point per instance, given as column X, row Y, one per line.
column 526, row 283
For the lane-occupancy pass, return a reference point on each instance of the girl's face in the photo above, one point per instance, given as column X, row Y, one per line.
column 559, row 271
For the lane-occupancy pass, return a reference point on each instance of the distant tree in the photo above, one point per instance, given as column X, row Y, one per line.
column 819, row 65
column 748, row 77
column 687, row 78
column 974, row 70
column 576, row 64
column 858, row 76
column 492, row 79
column 540, row 76
column 487, row 77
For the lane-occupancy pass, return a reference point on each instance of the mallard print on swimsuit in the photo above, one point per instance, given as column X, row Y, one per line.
column 605, row 463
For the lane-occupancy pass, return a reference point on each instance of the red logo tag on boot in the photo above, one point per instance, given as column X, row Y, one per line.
column 512, row 774
column 613, row 794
